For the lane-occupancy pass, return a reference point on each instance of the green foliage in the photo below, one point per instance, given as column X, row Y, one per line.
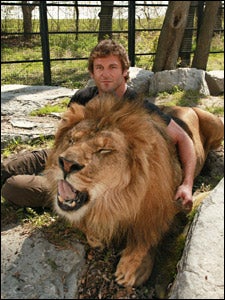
column 27, row 73
column 48, row 109
column 215, row 62
column 143, row 39
column 74, row 74
column 186, row 98
column 12, row 146
column 180, row 97
column 219, row 111
column 17, row 145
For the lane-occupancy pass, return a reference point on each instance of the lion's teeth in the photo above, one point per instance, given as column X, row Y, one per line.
column 73, row 204
column 60, row 198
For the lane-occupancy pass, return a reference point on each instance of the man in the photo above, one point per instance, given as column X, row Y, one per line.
column 108, row 65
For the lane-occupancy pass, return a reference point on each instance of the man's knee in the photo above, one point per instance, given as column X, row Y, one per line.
column 26, row 190
column 13, row 188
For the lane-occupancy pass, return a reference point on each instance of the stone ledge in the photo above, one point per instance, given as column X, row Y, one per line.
column 201, row 268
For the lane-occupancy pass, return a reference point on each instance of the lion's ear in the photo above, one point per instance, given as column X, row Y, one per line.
column 73, row 115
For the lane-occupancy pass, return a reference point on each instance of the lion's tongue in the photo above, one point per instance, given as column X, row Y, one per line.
column 65, row 190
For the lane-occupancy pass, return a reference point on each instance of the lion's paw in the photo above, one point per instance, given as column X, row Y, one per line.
column 94, row 242
column 133, row 270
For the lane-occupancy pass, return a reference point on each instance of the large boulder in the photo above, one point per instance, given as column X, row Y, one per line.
column 215, row 81
column 140, row 80
column 184, row 78
column 201, row 268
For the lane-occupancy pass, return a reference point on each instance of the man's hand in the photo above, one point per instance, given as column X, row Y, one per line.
column 184, row 198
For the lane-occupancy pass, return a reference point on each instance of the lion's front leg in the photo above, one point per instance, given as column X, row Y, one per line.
column 94, row 242
column 134, row 268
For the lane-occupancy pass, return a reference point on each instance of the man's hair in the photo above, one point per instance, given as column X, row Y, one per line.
column 109, row 47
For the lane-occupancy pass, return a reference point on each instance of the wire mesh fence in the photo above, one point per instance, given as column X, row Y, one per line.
column 61, row 34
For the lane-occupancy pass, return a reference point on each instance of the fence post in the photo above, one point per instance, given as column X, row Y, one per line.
column 45, row 42
column 200, row 13
column 131, row 32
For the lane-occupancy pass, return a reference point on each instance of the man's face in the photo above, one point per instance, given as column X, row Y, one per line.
column 108, row 75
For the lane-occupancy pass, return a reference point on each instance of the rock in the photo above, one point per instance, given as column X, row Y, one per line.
column 140, row 80
column 17, row 101
column 33, row 268
column 215, row 81
column 184, row 78
column 200, row 270
column 22, row 99
column 26, row 129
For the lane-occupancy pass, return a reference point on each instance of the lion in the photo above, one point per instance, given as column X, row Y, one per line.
column 113, row 173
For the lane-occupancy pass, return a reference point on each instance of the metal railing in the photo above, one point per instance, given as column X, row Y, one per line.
column 44, row 34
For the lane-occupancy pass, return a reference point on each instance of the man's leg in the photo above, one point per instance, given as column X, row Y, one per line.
column 27, row 191
column 28, row 163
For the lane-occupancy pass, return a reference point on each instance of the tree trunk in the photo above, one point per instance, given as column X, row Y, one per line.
column 186, row 45
column 171, row 36
column 205, row 35
column 105, row 16
column 27, row 19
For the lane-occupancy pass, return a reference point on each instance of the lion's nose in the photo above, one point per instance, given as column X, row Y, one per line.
column 69, row 166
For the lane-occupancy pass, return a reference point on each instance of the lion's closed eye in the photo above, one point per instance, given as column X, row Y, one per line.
column 104, row 151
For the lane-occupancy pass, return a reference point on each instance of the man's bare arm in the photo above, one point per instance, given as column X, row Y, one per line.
column 187, row 156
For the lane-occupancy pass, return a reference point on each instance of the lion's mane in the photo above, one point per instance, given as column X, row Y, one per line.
column 141, row 206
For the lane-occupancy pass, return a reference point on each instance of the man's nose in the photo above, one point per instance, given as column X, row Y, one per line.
column 105, row 73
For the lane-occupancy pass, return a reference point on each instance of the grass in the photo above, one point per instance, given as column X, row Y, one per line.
column 219, row 111
column 188, row 98
column 74, row 74
column 17, row 145
column 48, row 109
column 180, row 97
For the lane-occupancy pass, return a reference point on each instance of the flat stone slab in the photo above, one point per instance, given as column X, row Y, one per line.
column 27, row 129
column 22, row 99
column 18, row 101
column 33, row 268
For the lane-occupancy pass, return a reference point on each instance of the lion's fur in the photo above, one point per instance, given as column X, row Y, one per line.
column 132, row 189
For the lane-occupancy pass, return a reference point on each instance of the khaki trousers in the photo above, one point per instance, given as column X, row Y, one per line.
column 23, row 184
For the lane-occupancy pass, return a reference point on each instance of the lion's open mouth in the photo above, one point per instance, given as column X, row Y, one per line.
column 69, row 198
